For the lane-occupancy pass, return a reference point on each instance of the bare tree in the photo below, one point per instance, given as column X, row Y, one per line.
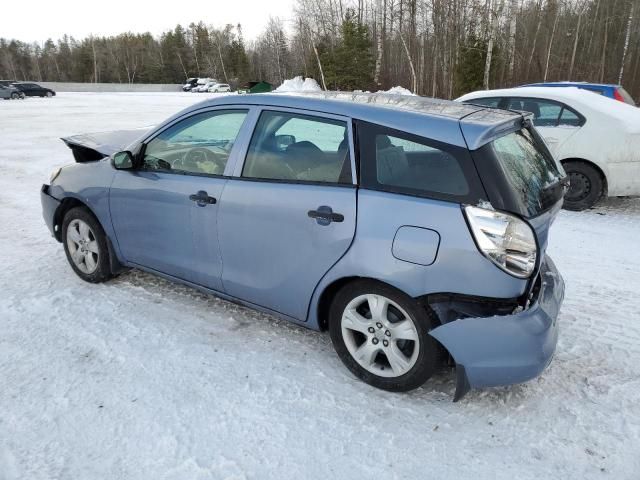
column 625, row 47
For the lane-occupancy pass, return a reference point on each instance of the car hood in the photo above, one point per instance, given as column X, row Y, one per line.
column 88, row 147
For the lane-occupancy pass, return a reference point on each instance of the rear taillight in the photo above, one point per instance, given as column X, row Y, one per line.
column 617, row 96
column 506, row 240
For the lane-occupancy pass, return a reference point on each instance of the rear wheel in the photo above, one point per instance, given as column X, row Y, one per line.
column 586, row 188
column 85, row 245
column 381, row 335
column 15, row 96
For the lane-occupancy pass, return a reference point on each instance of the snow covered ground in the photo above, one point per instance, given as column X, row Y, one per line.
column 142, row 379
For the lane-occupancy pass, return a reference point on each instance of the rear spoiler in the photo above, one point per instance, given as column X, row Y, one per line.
column 90, row 147
column 474, row 126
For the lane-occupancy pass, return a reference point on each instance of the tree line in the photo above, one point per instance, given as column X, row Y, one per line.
column 440, row 48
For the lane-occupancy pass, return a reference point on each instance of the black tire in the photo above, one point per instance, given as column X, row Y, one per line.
column 102, row 271
column 15, row 96
column 587, row 186
column 428, row 358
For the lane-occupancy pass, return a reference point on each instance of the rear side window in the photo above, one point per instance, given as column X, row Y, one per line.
column 547, row 113
column 399, row 162
column 569, row 118
column 299, row 148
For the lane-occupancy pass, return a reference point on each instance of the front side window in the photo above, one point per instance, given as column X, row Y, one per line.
column 295, row 147
column 399, row 162
column 200, row 144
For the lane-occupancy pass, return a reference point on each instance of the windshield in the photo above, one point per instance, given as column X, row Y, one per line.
column 533, row 176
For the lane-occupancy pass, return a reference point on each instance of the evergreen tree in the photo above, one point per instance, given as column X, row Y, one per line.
column 350, row 65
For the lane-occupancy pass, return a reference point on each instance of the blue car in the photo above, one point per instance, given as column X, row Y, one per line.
column 615, row 92
column 413, row 230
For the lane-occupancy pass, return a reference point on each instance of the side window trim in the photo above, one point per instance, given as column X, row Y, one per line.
column 233, row 155
column 250, row 126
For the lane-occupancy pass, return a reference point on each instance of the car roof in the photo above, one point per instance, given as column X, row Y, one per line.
column 571, row 84
column 440, row 120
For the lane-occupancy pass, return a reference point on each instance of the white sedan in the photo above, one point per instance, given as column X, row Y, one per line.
column 219, row 88
column 596, row 140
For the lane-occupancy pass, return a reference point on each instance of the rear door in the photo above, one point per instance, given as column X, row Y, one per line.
column 289, row 213
column 555, row 121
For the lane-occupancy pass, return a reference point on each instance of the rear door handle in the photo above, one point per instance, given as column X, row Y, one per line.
column 324, row 215
column 202, row 199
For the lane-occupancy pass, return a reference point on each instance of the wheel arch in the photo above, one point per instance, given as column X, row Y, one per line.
column 329, row 292
column 327, row 296
column 599, row 169
column 65, row 205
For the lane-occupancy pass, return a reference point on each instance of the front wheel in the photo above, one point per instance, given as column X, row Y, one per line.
column 49, row 94
column 382, row 336
column 586, row 186
column 15, row 96
column 85, row 245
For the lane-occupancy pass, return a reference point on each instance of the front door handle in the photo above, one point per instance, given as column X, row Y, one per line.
column 324, row 215
column 202, row 199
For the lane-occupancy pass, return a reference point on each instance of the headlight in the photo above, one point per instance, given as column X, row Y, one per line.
column 54, row 175
column 504, row 239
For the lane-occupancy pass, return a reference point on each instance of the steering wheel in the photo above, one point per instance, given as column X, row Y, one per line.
column 191, row 160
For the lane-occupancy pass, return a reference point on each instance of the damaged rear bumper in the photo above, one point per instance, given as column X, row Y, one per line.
column 506, row 349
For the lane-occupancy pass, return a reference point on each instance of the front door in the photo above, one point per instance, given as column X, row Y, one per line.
column 290, row 213
column 165, row 212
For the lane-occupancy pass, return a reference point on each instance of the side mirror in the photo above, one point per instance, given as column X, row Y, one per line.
column 123, row 160
column 283, row 141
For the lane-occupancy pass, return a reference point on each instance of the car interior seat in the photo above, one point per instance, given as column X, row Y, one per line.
column 391, row 161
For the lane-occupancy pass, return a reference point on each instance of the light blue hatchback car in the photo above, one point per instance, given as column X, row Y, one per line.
column 413, row 229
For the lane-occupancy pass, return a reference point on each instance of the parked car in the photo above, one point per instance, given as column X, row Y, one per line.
column 607, row 90
column 219, row 88
column 10, row 93
column 403, row 225
column 204, row 88
column 203, row 84
column 33, row 89
column 596, row 140
column 189, row 84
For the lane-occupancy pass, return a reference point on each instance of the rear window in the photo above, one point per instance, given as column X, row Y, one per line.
column 529, row 169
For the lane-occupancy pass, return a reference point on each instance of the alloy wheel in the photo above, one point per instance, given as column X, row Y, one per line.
column 83, row 246
column 380, row 335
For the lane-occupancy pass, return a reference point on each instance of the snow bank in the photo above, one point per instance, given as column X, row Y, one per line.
column 298, row 84
column 398, row 90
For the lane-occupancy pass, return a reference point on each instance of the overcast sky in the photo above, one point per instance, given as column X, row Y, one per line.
column 81, row 18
